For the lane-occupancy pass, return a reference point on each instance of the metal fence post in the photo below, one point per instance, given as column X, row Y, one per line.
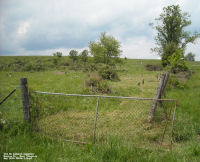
column 25, row 99
column 173, row 122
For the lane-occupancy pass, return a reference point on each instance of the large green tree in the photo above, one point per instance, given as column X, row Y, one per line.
column 190, row 57
column 106, row 49
column 171, row 35
column 58, row 54
column 84, row 55
column 73, row 54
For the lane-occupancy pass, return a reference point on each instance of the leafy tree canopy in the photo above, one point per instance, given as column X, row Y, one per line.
column 190, row 57
column 73, row 54
column 106, row 49
column 84, row 55
column 170, row 32
column 58, row 54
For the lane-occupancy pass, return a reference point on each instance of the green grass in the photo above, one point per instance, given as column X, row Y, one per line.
column 64, row 117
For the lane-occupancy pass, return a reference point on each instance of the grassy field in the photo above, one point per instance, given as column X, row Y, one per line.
column 122, row 133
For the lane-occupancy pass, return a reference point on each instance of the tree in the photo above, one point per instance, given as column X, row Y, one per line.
column 58, row 54
column 106, row 49
column 84, row 55
column 73, row 54
column 171, row 35
column 190, row 57
column 177, row 62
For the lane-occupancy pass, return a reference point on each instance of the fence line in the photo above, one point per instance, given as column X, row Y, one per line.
column 119, row 97
column 26, row 106
column 101, row 96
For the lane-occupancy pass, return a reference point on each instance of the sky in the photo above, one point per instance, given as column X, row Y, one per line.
column 42, row 27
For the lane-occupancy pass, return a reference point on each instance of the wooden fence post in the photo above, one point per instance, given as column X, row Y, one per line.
column 158, row 96
column 165, row 83
column 25, row 99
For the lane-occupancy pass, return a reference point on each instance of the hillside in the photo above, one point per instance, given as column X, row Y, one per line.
column 60, row 118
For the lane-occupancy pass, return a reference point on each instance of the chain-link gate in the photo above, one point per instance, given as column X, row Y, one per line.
column 94, row 118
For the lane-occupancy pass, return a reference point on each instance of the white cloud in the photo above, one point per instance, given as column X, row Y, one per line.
column 138, row 48
column 194, row 48
column 23, row 28
column 43, row 26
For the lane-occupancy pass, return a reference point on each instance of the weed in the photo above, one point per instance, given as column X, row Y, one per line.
column 96, row 84
column 109, row 73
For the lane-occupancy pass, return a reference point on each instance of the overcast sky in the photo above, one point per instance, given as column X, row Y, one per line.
column 41, row 27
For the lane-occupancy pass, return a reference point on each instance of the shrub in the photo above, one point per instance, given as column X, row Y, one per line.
column 58, row 54
column 28, row 67
column 175, row 83
column 90, row 68
column 177, row 62
column 108, row 73
column 38, row 66
column 2, row 66
column 96, row 84
column 73, row 54
column 55, row 61
column 76, row 66
column 84, row 55
column 66, row 64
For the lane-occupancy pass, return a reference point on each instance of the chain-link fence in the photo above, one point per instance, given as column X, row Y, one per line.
column 93, row 118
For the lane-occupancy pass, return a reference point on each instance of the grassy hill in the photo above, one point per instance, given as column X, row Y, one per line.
column 122, row 133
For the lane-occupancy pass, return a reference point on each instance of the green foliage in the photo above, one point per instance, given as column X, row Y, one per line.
column 90, row 67
column 107, row 48
column 175, row 83
column 170, row 32
column 84, row 55
column 57, row 54
column 96, row 84
column 73, row 54
column 108, row 73
column 190, row 57
column 55, row 61
column 177, row 61
column 169, row 49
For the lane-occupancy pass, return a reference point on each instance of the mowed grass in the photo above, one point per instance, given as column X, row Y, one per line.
column 122, row 131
